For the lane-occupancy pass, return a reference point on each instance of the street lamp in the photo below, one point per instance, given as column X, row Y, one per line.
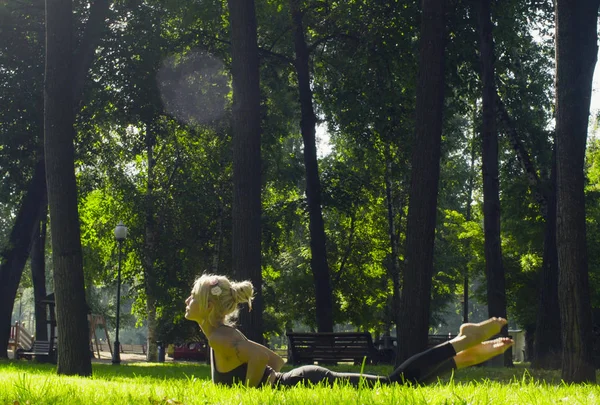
column 120, row 236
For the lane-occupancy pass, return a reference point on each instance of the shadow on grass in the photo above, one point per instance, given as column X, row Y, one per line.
column 519, row 372
column 159, row 371
column 107, row 371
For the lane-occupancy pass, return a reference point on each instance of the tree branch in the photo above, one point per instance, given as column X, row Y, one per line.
column 523, row 157
column 342, row 35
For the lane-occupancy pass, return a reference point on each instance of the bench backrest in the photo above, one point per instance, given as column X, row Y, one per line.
column 330, row 347
column 434, row 340
column 41, row 346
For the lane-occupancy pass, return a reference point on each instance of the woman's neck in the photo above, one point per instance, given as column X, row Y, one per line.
column 208, row 328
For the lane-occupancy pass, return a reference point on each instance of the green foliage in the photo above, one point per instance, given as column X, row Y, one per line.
column 161, row 81
column 21, row 93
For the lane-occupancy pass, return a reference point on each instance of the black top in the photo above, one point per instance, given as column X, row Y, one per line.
column 235, row 376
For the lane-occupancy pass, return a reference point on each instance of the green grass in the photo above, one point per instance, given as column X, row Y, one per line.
column 24, row 382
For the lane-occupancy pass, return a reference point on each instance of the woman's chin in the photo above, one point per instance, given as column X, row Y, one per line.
column 190, row 317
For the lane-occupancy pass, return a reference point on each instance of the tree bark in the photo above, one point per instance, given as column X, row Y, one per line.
column 15, row 254
column 468, row 218
column 150, row 240
column 71, row 309
column 246, row 211
column 418, row 271
column 38, row 274
column 394, row 269
column 318, row 261
column 496, row 290
column 547, row 337
column 151, row 339
column 576, row 52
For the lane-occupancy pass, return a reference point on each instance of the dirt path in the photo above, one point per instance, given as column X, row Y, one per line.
column 106, row 357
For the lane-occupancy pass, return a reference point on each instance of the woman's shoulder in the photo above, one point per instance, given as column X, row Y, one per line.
column 224, row 336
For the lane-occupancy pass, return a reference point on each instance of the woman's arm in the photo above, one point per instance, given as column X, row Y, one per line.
column 257, row 363
column 275, row 361
column 256, row 357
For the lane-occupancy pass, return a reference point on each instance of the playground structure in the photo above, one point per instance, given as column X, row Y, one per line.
column 94, row 322
column 42, row 350
column 24, row 344
column 20, row 338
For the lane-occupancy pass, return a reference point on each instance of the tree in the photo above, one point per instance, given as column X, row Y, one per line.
column 33, row 204
column 73, row 345
column 21, row 122
column 496, row 286
column 576, row 53
column 308, row 122
column 425, row 170
column 38, row 272
column 547, row 342
column 246, row 235
column 15, row 255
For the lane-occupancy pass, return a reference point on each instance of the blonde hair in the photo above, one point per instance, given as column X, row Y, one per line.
column 223, row 295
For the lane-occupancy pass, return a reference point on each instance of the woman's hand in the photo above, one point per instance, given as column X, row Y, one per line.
column 272, row 378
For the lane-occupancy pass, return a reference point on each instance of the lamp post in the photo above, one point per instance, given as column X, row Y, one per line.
column 120, row 236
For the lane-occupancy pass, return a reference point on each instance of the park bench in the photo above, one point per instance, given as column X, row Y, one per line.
column 333, row 347
column 434, row 340
column 40, row 349
column 133, row 348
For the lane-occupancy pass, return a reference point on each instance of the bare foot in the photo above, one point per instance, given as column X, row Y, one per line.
column 482, row 352
column 473, row 333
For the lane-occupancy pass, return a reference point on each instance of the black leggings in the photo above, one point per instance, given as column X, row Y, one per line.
column 419, row 369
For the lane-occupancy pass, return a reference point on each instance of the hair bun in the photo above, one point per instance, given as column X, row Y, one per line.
column 242, row 292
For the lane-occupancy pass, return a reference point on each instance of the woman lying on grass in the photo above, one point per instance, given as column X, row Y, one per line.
column 214, row 301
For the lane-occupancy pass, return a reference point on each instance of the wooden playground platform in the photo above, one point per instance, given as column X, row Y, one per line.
column 22, row 341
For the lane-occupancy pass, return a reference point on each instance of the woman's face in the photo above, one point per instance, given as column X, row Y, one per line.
column 192, row 309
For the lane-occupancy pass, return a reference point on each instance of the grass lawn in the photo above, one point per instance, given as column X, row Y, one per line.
column 23, row 382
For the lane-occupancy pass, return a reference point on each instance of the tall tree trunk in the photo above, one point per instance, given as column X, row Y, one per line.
column 318, row 261
column 496, row 290
column 73, row 350
column 150, row 240
column 38, row 274
column 418, row 271
column 547, row 337
column 218, row 236
column 152, row 337
column 394, row 262
column 468, row 217
column 546, row 331
column 246, row 235
column 15, row 254
column 576, row 52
